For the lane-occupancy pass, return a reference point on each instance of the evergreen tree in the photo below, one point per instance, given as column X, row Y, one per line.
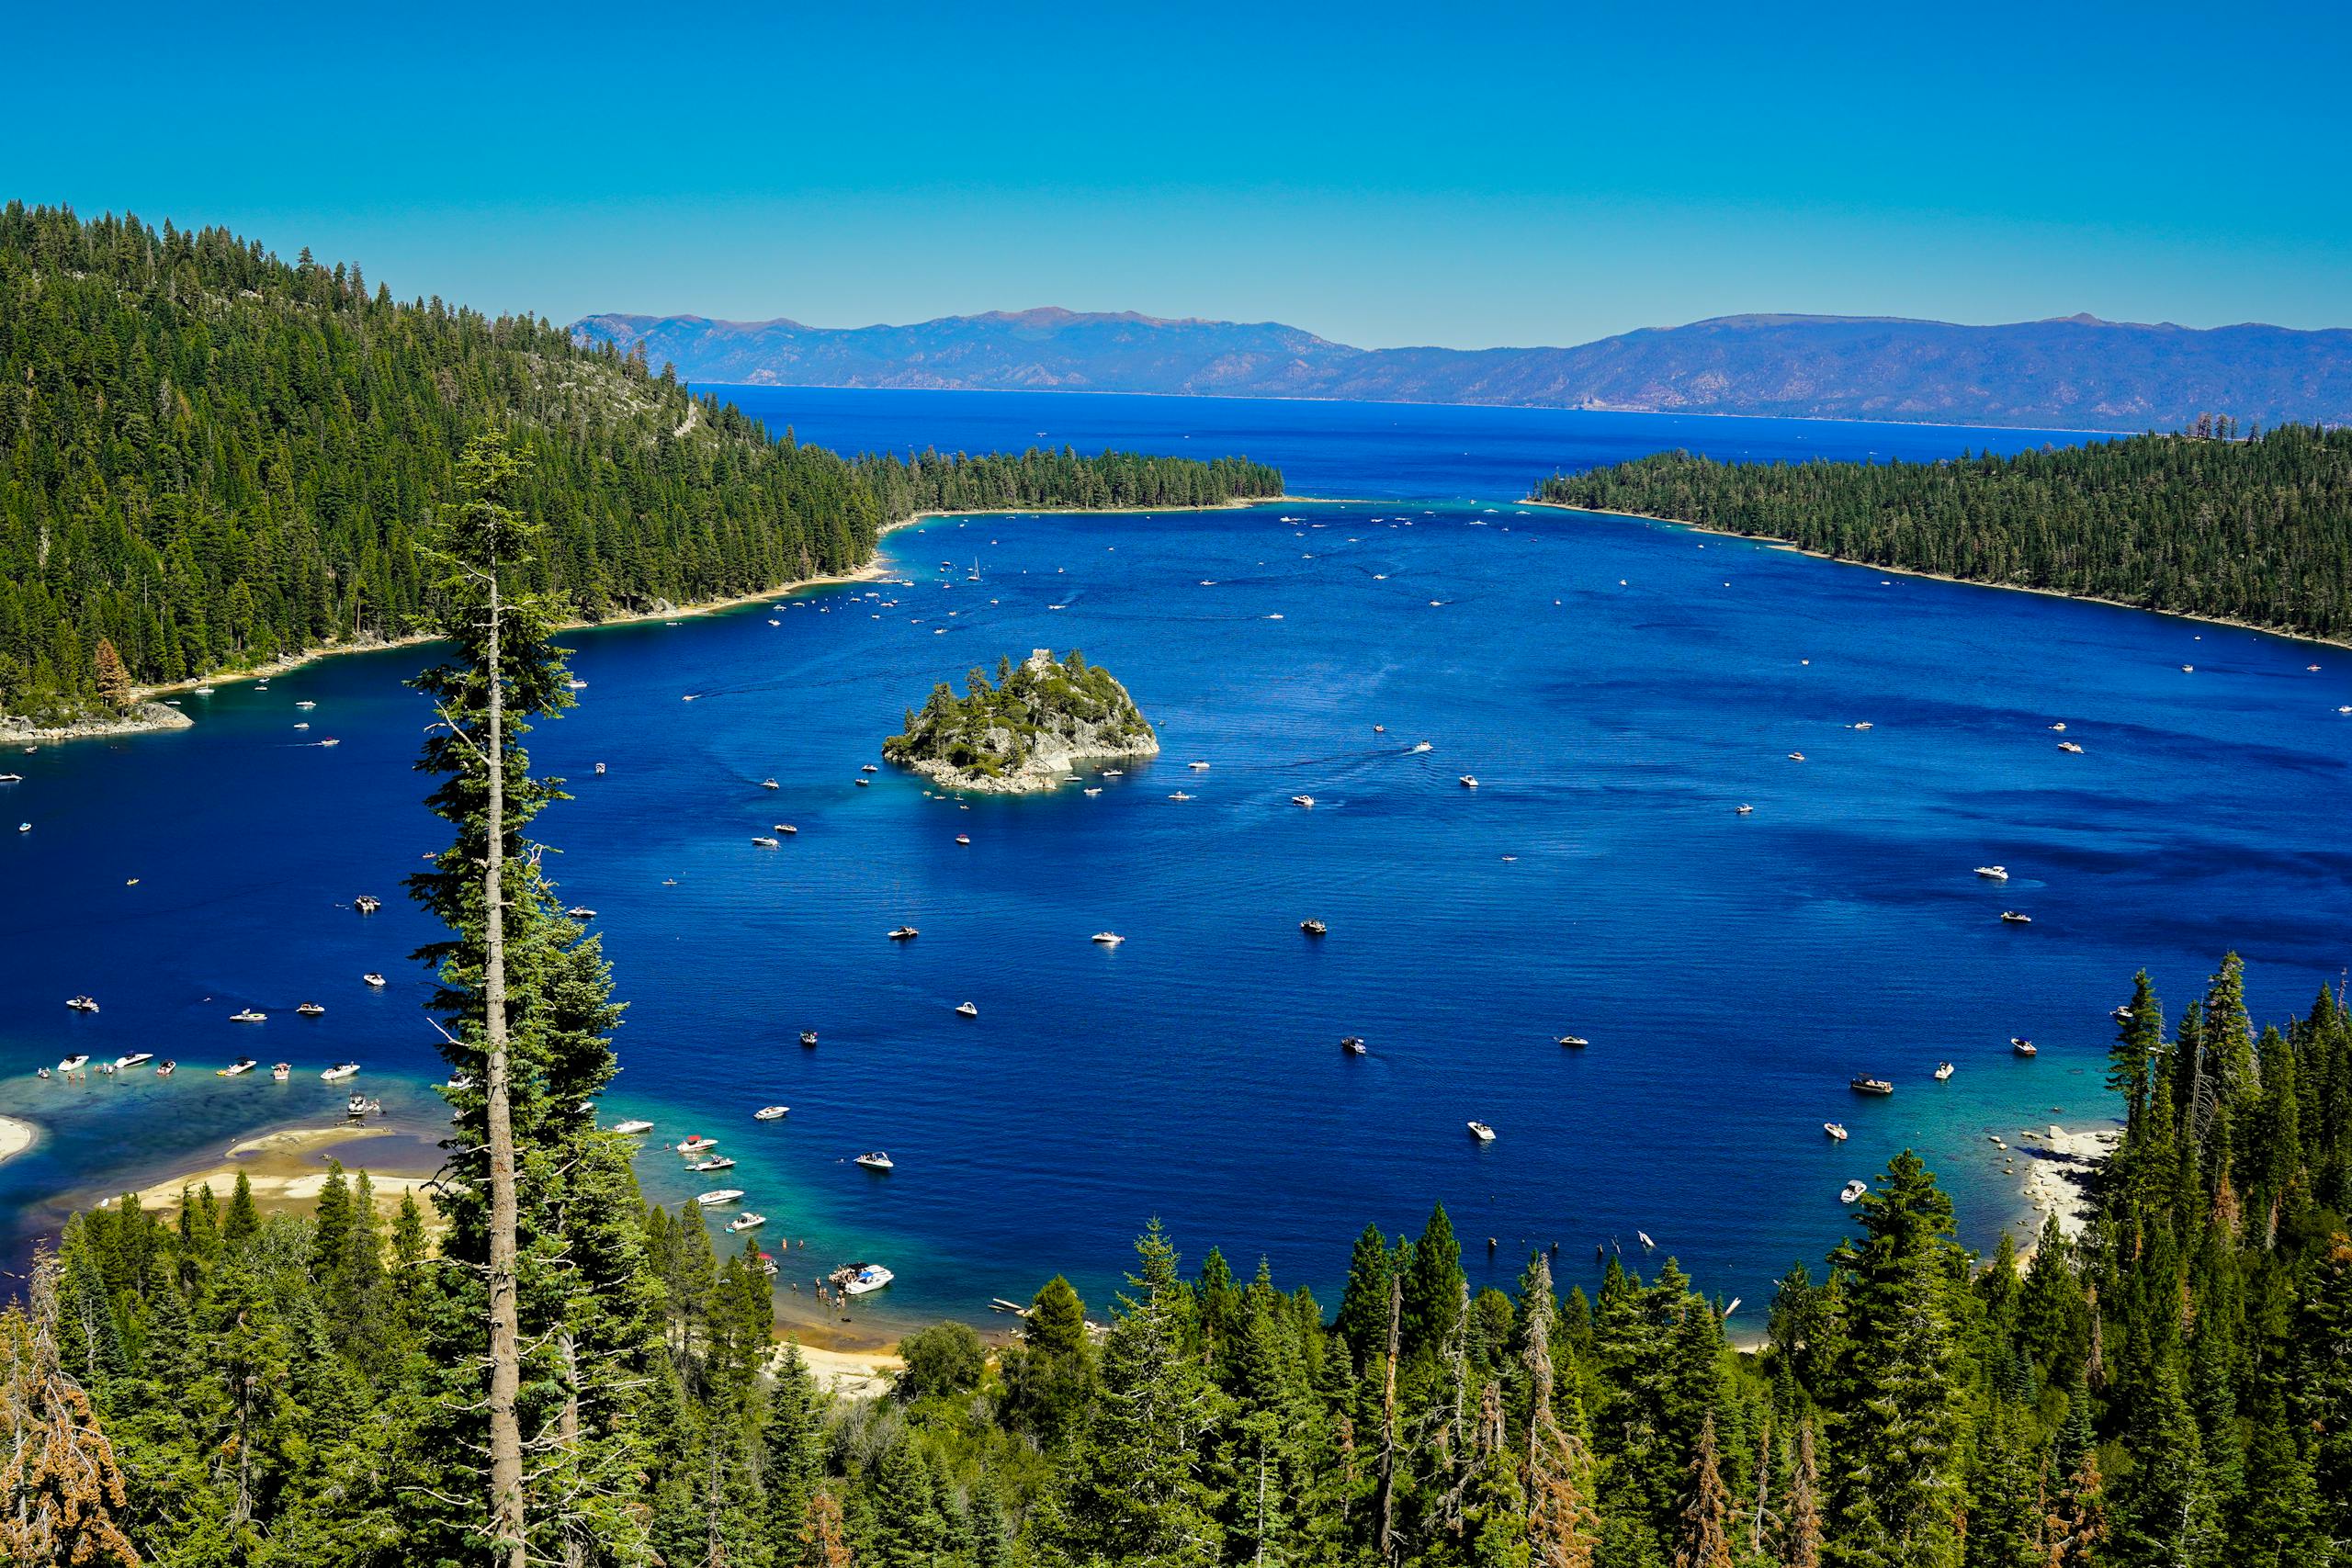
column 1897, row 1497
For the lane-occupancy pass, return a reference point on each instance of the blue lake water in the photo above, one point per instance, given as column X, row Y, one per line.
column 1617, row 687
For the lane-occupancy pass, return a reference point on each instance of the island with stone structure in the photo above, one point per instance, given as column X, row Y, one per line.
column 1027, row 731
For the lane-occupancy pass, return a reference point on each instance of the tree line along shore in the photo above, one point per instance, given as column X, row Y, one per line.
column 2256, row 532
column 219, row 459
column 2174, row 1388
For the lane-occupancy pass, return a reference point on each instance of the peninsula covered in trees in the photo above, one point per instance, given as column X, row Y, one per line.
column 2256, row 530
column 215, row 458
column 1024, row 733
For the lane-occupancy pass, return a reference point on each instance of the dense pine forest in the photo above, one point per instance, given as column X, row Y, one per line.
column 2256, row 530
column 215, row 458
column 2174, row 1389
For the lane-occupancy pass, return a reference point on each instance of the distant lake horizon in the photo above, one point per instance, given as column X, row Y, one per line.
column 1617, row 686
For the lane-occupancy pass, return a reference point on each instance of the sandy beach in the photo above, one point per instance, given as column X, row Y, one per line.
column 288, row 1170
column 15, row 1136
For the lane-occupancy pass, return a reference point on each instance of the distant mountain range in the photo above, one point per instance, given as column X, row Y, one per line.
column 2074, row 373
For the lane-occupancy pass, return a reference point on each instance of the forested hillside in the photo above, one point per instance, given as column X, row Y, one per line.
column 2174, row 1390
column 214, row 457
column 2257, row 530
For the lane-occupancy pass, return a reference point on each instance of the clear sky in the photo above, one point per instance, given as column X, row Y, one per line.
column 1383, row 174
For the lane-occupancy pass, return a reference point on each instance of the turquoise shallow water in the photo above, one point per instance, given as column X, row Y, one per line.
column 1616, row 686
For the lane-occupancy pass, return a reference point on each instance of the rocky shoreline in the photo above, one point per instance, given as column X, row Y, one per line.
column 145, row 718
column 1028, row 734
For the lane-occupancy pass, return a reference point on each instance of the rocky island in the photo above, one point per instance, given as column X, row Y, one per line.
column 1027, row 731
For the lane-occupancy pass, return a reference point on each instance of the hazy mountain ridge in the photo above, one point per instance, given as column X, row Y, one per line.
column 2074, row 372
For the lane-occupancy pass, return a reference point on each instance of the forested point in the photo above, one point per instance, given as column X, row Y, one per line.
column 2174, row 1389
column 217, row 458
column 2256, row 530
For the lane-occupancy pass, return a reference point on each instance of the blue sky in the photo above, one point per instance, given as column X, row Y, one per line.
column 1466, row 175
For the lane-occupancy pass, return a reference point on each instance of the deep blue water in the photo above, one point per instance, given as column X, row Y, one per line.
column 1617, row 688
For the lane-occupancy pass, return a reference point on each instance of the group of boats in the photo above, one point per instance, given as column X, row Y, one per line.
column 701, row 1156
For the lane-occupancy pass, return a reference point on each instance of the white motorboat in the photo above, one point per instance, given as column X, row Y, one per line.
column 1796, row 756
column 713, row 1199
column 1109, row 939
column 869, row 767
column 747, row 1220
column 769, row 1113
column 770, row 783
column 963, row 839
column 787, row 828
column 716, row 1162
column 249, row 1015
column 2023, row 1047
column 875, row 1160
column 340, row 1071
column 633, row 1126
column 1422, row 745
column 459, row 1082
column 1852, row 1190
column 1313, row 926
column 1943, row 1071
column 1469, row 781
column 767, row 843
column 695, row 1143
column 581, row 912
column 2013, row 917
column 367, row 903
column 136, row 1059
column 1179, row 794
column 1198, row 767
column 1836, row 1129
column 1644, row 1237
column 74, row 1064
column 306, row 704
column 1302, row 800
column 1481, row 1132
column 1574, row 1042
column 1994, row 872
column 2070, row 747
column 1745, row 810
column 81, row 1004
column 237, row 1068
column 867, row 1277
column 905, row 933
column 311, row 1009
column 372, row 978
column 2061, row 725
column 966, row 1009
column 281, row 1072
column 1093, row 790
column 1352, row 1044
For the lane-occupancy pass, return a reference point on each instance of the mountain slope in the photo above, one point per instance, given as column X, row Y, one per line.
column 2077, row 373
column 217, row 458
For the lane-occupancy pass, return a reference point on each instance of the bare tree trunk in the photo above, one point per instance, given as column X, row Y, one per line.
column 575, row 1548
column 1385, row 1498
column 505, row 1327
